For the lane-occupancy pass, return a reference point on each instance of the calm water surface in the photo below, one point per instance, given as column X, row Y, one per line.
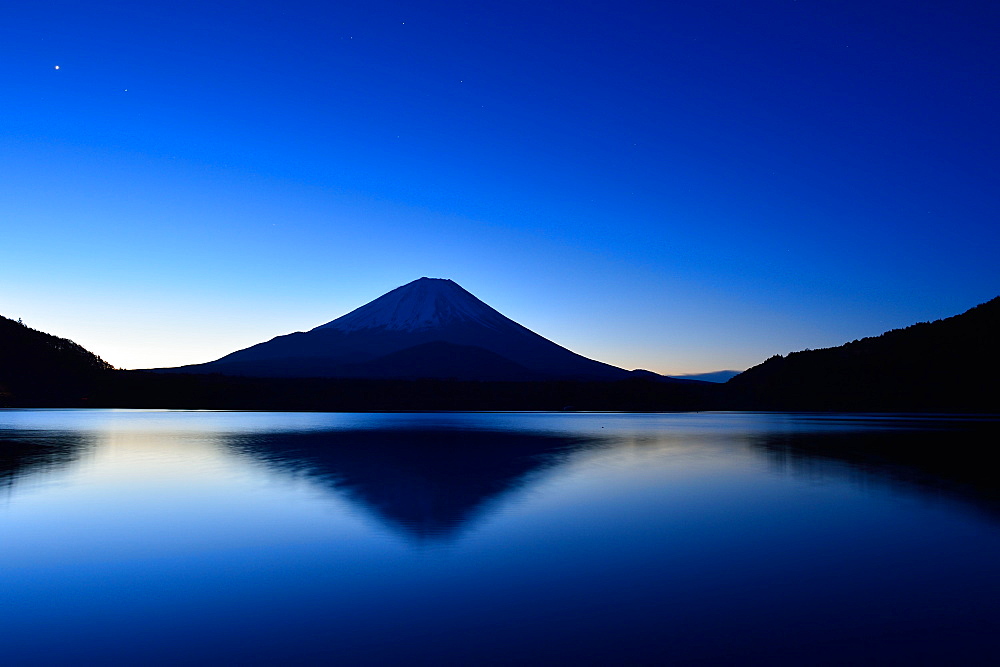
column 171, row 537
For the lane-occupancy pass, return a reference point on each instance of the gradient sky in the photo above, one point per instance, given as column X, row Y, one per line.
column 681, row 187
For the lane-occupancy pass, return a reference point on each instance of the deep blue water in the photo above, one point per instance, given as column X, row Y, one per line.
column 171, row 537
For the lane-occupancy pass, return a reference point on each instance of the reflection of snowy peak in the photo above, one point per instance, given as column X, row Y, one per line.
column 426, row 303
column 430, row 328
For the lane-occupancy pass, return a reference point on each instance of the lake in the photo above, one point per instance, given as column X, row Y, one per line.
column 190, row 537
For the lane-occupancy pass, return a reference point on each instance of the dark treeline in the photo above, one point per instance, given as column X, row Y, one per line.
column 949, row 365
column 37, row 368
column 143, row 389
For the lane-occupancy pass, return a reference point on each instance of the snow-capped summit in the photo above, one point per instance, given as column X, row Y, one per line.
column 429, row 328
column 426, row 303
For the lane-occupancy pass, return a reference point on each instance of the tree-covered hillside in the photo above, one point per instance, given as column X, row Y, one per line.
column 37, row 368
column 947, row 365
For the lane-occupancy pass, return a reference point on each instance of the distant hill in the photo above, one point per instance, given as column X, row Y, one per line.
column 428, row 328
column 950, row 365
column 37, row 368
column 714, row 376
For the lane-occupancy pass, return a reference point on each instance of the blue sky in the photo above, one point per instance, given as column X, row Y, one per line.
column 679, row 188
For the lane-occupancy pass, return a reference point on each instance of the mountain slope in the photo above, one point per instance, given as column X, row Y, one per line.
column 947, row 365
column 426, row 303
column 40, row 368
column 411, row 318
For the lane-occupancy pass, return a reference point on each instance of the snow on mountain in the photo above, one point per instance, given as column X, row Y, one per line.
column 426, row 303
column 429, row 328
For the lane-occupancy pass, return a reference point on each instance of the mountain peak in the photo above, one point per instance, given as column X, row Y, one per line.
column 428, row 328
column 425, row 303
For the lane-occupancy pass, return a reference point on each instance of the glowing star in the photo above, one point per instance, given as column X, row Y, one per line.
column 57, row 67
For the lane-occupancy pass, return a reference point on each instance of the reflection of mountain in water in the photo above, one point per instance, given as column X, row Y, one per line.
column 430, row 484
column 28, row 453
column 934, row 458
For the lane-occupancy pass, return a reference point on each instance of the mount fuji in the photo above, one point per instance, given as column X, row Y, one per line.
column 429, row 328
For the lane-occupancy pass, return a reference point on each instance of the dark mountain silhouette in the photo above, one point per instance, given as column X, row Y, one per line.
column 950, row 365
column 37, row 368
column 428, row 484
column 714, row 376
column 429, row 328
